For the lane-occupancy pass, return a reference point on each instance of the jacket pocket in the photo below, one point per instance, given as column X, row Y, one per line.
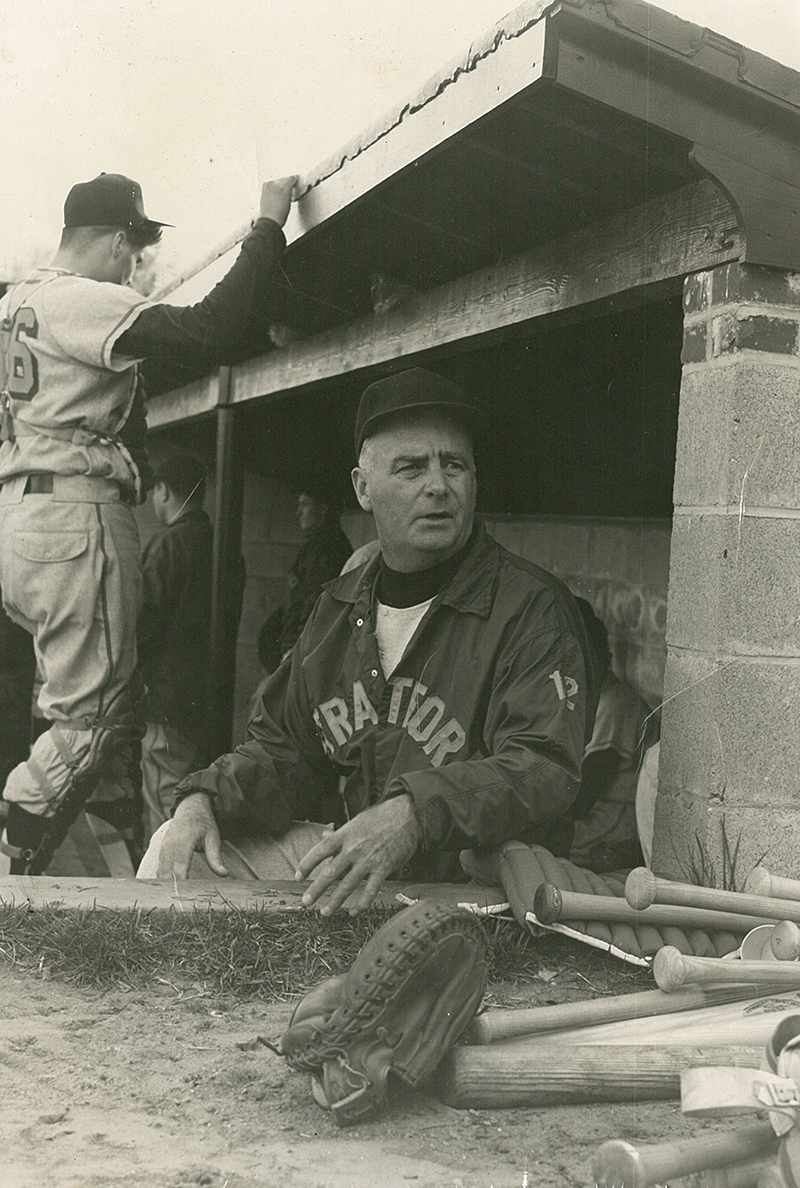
column 50, row 546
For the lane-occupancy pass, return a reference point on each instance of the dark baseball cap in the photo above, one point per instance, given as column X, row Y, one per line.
column 108, row 200
column 416, row 388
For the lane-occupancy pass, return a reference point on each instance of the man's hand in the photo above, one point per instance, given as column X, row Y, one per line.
column 366, row 850
column 192, row 828
column 276, row 198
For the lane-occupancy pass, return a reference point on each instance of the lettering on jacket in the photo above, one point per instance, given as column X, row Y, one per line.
column 423, row 718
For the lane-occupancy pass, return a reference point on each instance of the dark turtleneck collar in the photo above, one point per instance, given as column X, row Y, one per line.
column 399, row 589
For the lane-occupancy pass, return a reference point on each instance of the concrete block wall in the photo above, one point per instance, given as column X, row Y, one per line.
column 730, row 756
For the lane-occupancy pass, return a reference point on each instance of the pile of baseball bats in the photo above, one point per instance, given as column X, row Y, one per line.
column 509, row 1057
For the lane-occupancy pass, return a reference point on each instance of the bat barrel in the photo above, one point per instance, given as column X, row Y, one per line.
column 618, row 1164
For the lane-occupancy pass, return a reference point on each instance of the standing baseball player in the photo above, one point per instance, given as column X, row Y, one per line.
column 72, row 463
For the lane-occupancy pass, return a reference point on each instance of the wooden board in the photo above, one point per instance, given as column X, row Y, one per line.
column 658, row 241
column 213, row 894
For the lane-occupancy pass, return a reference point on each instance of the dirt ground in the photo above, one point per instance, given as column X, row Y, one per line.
column 170, row 1088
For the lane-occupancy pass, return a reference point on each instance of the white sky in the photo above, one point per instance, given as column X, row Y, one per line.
column 199, row 100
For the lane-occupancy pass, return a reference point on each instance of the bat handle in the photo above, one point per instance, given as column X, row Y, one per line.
column 669, row 968
column 640, row 888
column 547, row 903
column 618, row 1164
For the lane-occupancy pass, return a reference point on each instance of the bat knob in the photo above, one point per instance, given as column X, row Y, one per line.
column 617, row 1163
column 785, row 941
column 640, row 888
column 669, row 968
column 758, row 882
column 547, row 903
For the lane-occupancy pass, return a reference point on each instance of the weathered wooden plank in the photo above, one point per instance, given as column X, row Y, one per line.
column 464, row 92
column 183, row 404
column 687, row 230
column 207, row 894
column 684, row 231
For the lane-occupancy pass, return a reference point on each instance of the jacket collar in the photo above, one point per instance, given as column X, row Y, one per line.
column 471, row 591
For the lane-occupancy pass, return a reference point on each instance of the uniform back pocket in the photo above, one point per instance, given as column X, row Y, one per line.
column 50, row 546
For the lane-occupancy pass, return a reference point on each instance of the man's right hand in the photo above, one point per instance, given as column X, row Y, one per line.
column 192, row 828
column 276, row 198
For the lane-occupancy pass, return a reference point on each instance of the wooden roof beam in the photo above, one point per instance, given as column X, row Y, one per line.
column 611, row 134
column 743, row 137
column 684, row 231
column 549, row 179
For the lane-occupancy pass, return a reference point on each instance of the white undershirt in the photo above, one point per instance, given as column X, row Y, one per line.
column 394, row 627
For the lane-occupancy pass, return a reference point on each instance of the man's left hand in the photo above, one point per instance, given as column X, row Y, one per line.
column 365, row 851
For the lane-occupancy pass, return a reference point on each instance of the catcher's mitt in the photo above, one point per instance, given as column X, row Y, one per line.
column 408, row 997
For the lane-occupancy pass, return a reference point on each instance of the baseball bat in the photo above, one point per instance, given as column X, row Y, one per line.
column 761, row 882
column 673, row 969
column 785, row 941
column 643, row 888
column 740, row 1175
column 618, row 1164
column 497, row 1025
column 505, row 1075
column 551, row 905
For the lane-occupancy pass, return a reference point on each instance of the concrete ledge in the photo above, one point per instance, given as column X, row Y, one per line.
column 73, row 894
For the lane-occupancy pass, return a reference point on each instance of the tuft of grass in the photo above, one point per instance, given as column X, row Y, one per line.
column 700, row 868
column 261, row 954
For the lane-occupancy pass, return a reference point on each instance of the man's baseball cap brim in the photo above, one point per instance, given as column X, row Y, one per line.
column 108, row 200
column 416, row 389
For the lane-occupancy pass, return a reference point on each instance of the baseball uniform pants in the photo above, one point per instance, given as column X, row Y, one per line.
column 70, row 574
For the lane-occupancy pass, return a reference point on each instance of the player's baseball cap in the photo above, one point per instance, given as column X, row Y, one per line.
column 109, row 200
column 416, row 388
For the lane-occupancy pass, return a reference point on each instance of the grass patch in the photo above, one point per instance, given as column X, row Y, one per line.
column 261, row 954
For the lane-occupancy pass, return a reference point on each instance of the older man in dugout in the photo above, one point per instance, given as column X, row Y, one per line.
column 438, row 699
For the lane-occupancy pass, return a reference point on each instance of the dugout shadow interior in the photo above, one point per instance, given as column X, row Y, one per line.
column 579, row 419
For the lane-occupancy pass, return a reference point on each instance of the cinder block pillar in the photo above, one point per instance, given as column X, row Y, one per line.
column 729, row 779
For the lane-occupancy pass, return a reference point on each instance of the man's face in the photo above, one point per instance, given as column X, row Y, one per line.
column 309, row 512
column 418, row 480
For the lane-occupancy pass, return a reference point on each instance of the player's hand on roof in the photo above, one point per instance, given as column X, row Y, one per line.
column 356, row 859
column 276, row 198
column 193, row 828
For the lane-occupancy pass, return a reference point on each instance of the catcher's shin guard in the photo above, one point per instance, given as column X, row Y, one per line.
column 22, row 837
column 109, row 756
column 408, row 997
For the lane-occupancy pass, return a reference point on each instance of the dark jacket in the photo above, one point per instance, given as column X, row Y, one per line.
column 174, row 620
column 483, row 722
column 320, row 559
